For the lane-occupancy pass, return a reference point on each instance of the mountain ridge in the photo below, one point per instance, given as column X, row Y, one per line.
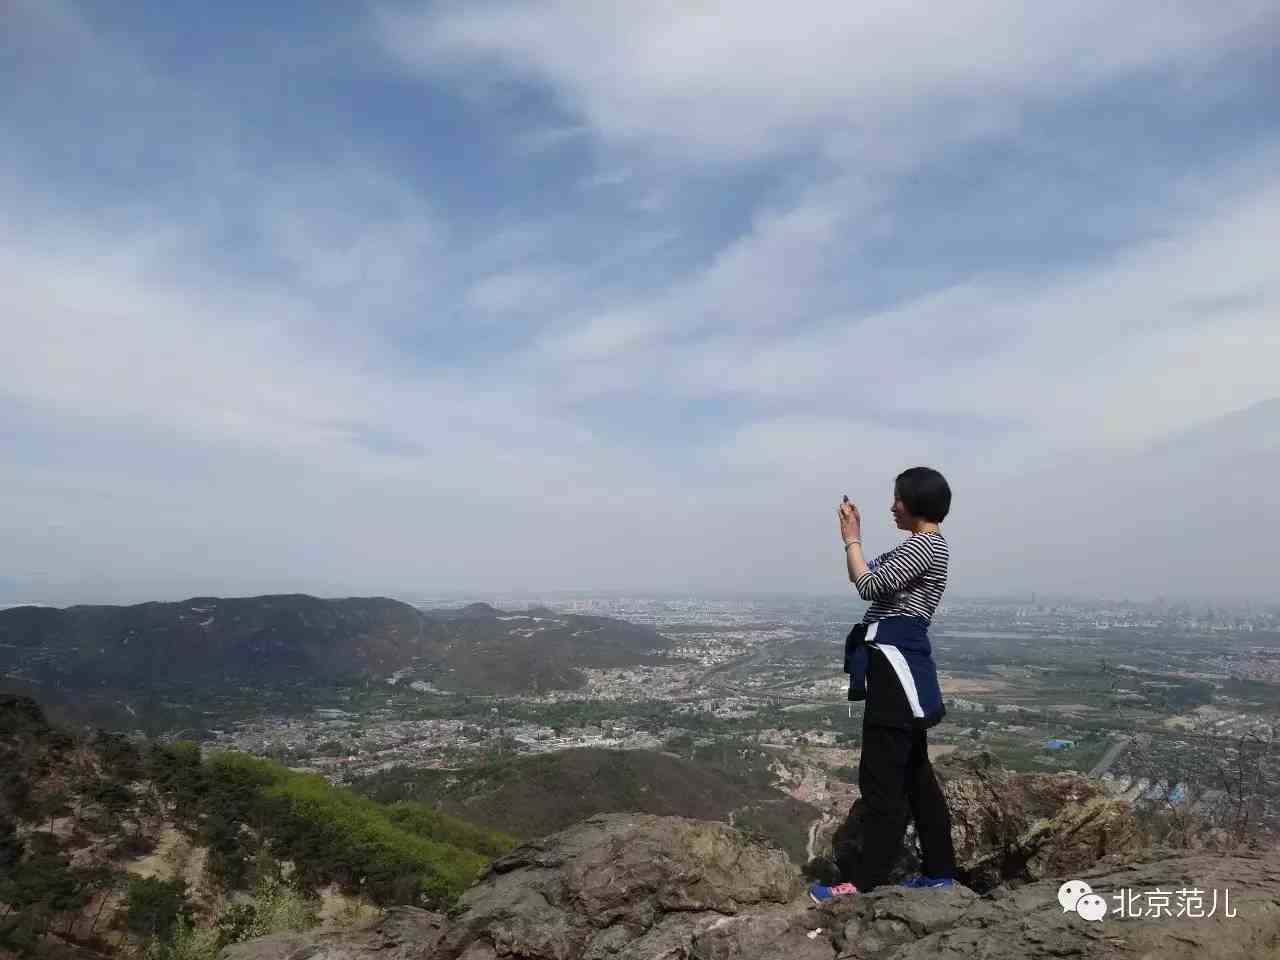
column 221, row 642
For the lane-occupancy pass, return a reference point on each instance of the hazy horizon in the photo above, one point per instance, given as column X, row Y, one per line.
column 551, row 296
column 517, row 598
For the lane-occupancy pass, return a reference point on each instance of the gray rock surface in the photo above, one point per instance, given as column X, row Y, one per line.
column 404, row 933
column 627, row 885
column 899, row 924
column 1011, row 826
column 638, row 887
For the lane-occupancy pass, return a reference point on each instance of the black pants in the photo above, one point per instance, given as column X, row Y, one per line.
column 897, row 780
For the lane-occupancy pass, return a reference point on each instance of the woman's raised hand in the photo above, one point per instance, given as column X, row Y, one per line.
column 850, row 521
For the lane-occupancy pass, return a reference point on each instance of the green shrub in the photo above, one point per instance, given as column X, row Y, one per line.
column 334, row 835
column 186, row 942
column 422, row 820
column 154, row 906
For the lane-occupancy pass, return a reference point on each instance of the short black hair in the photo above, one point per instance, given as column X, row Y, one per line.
column 924, row 492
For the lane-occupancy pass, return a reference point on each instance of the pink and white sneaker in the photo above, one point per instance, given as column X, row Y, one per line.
column 820, row 894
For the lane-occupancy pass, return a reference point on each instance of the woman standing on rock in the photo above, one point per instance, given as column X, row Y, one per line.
column 890, row 665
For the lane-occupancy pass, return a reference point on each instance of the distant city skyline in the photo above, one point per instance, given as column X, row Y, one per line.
column 348, row 298
column 517, row 598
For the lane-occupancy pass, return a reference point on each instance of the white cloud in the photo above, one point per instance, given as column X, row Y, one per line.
column 207, row 432
column 767, row 277
column 348, row 230
column 714, row 82
column 1105, row 357
column 521, row 290
column 817, row 454
column 120, row 330
column 1101, row 358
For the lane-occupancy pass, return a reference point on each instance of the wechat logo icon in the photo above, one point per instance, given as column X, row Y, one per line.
column 1078, row 896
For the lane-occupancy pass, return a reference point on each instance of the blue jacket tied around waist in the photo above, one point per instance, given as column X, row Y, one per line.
column 904, row 641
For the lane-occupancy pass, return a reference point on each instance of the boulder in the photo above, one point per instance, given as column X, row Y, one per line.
column 402, row 933
column 1010, row 827
column 630, row 885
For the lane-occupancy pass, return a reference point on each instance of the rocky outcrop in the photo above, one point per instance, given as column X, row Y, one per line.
column 637, row 887
column 626, row 885
column 1010, row 827
column 404, row 933
column 1029, row 923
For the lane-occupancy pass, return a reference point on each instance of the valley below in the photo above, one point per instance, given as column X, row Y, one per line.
column 311, row 767
column 1162, row 705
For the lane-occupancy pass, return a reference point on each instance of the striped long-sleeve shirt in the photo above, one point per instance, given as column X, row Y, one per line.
column 908, row 580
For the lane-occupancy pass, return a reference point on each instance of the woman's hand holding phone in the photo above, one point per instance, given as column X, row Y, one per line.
column 850, row 520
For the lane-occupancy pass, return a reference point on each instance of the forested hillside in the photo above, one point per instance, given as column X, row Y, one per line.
column 81, row 813
column 154, row 666
column 531, row 796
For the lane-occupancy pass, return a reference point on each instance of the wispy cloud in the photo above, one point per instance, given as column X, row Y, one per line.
column 518, row 291
column 669, row 280
column 543, row 139
column 690, row 77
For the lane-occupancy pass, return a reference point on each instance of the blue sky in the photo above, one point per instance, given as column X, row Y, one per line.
column 389, row 297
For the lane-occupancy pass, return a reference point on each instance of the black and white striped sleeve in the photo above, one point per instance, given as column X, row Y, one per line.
column 896, row 569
